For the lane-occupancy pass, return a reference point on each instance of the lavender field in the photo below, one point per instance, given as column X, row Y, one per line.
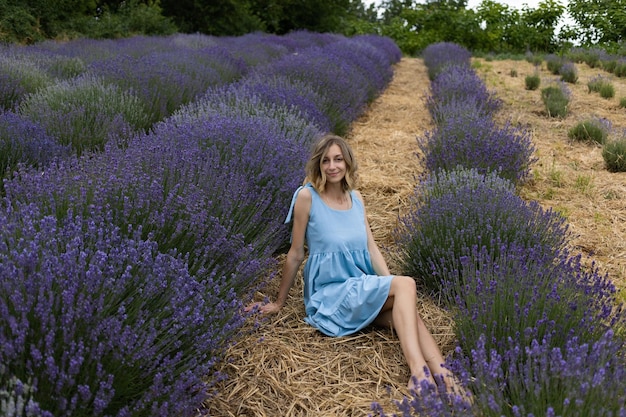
column 142, row 204
column 143, row 193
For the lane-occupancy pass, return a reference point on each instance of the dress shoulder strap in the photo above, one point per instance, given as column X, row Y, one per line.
column 293, row 201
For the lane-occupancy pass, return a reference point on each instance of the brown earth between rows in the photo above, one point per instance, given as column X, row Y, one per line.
column 285, row 368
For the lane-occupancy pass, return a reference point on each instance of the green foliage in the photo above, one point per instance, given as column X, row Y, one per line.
column 532, row 81
column 614, row 154
column 622, row 102
column 599, row 21
column 85, row 112
column 569, row 73
column 592, row 130
column 595, row 83
column 607, row 90
column 554, row 63
column 19, row 76
column 556, row 100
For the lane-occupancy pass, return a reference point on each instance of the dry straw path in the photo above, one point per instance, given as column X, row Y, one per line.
column 285, row 368
column 570, row 176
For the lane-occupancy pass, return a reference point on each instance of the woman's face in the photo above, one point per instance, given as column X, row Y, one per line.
column 333, row 165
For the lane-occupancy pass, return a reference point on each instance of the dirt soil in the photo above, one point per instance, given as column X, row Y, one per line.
column 285, row 368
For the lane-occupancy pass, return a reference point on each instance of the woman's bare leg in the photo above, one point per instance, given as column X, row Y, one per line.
column 418, row 345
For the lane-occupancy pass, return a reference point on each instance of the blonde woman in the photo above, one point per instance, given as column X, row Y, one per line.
column 347, row 284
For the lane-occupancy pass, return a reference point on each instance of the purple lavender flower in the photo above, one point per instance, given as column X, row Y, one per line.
column 22, row 141
column 342, row 86
column 19, row 76
column 107, row 324
column 438, row 56
column 474, row 141
column 467, row 212
column 85, row 113
column 460, row 83
column 577, row 379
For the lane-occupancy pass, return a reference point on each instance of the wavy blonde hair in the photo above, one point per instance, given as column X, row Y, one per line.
column 314, row 173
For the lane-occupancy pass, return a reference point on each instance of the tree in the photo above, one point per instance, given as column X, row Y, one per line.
column 540, row 25
column 214, row 17
column 600, row 21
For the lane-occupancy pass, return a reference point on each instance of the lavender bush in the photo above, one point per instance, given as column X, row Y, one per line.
column 472, row 140
column 255, row 99
column 554, row 63
column 437, row 56
column 159, row 185
column 456, row 211
column 330, row 78
column 595, row 130
column 577, row 379
column 461, row 84
column 294, row 95
column 108, row 325
column 24, row 142
column 614, row 155
column 556, row 98
column 255, row 48
column 569, row 73
column 166, row 80
column 555, row 299
column 368, row 60
column 86, row 113
column 383, row 44
column 18, row 77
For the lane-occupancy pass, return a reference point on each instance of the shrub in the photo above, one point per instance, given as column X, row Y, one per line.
column 578, row 379
column 551, row 299
column 328, row 76
column 607, row 90
column 614, row 155
column 165, row 80
column 554, row 63
column 108, row 325
column 475, row 142
column 24, row 142
column 556, row 98
column 291, row 95
column 86, row 113
column 165, row 183
column 596, row 83
column 439, row 55
column 256, row 100
column 569, row 73
column 622, row 102
column 455, row 211
column 468, row 108
column 19, row 76
column 593, row 130
column 534, row 59
column 532, row 81
column 460, row 83
column 619, row 67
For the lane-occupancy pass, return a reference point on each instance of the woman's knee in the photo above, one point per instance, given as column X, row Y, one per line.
column 404, row 283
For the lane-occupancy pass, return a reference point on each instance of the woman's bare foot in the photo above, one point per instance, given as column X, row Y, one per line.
column 454, row 387
column 415, row 382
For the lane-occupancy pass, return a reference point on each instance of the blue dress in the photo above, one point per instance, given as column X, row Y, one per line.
column 342, row 293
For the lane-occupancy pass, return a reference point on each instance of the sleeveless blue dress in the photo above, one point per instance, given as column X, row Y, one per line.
column 342, row 293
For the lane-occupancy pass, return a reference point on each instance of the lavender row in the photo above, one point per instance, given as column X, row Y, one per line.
column 125, row 270
column 539, row 332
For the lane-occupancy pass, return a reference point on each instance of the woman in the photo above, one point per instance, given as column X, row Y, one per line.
column 347, row 284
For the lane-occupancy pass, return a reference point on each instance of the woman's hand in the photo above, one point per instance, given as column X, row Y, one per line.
column 264, row 308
